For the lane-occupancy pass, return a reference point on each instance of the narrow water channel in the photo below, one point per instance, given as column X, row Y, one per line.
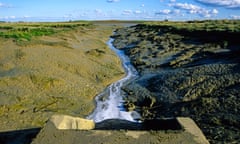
column 109, row 103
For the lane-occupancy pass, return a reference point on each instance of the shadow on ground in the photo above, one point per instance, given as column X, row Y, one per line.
column 26, row 136
column 154, row 124
column 19, row 136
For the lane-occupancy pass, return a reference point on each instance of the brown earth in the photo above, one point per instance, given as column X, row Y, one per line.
column 60, row 73
column 185, row 74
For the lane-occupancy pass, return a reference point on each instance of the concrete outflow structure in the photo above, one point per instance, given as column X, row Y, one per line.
column 65, row 122
column 62, row 129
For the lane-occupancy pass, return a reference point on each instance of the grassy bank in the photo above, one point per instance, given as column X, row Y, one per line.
column 26, row 31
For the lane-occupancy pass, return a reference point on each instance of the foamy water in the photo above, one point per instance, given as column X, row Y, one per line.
column 110, row 101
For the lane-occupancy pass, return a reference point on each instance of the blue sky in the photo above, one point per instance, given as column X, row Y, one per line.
column 64, row 10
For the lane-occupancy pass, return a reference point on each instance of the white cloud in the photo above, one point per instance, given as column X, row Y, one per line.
column 186, row 6
column 137, row 12
column 215, row 11
column 8, row 17
column 177, row 11
column 206, row 14
column 170, row 13
column 4, row 5
column 127, row 12
column 98, row 11
column 224, row 3
column 164, row 12
column 195, row 9
column 68, row 16
column 12, row 17
column 83, row 14
column 26, row 16
column 237, row 17
column 111, row 1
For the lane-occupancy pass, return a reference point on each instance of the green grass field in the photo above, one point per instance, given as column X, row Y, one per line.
column 25, row 31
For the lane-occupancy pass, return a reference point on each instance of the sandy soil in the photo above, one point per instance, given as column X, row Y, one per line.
column 60, row 73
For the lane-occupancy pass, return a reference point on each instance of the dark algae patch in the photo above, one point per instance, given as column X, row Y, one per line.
column 186, row 69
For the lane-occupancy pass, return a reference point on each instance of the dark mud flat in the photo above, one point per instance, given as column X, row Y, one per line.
column 186, row 72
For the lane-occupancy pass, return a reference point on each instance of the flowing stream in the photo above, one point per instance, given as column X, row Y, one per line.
column 109, row 103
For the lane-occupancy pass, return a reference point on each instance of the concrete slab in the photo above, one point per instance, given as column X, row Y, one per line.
column 161, row 131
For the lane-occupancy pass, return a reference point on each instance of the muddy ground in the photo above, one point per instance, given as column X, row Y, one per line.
column 185, row 74
column 59, row 73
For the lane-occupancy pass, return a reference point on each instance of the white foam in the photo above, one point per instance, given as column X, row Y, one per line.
column 112, row 106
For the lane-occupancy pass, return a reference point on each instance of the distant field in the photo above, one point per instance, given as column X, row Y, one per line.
column 206, row 25
column 25, row 31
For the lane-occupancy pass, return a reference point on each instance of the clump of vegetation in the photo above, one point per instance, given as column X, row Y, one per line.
column 19, row 54
column 26, row 31
column 95, row 52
